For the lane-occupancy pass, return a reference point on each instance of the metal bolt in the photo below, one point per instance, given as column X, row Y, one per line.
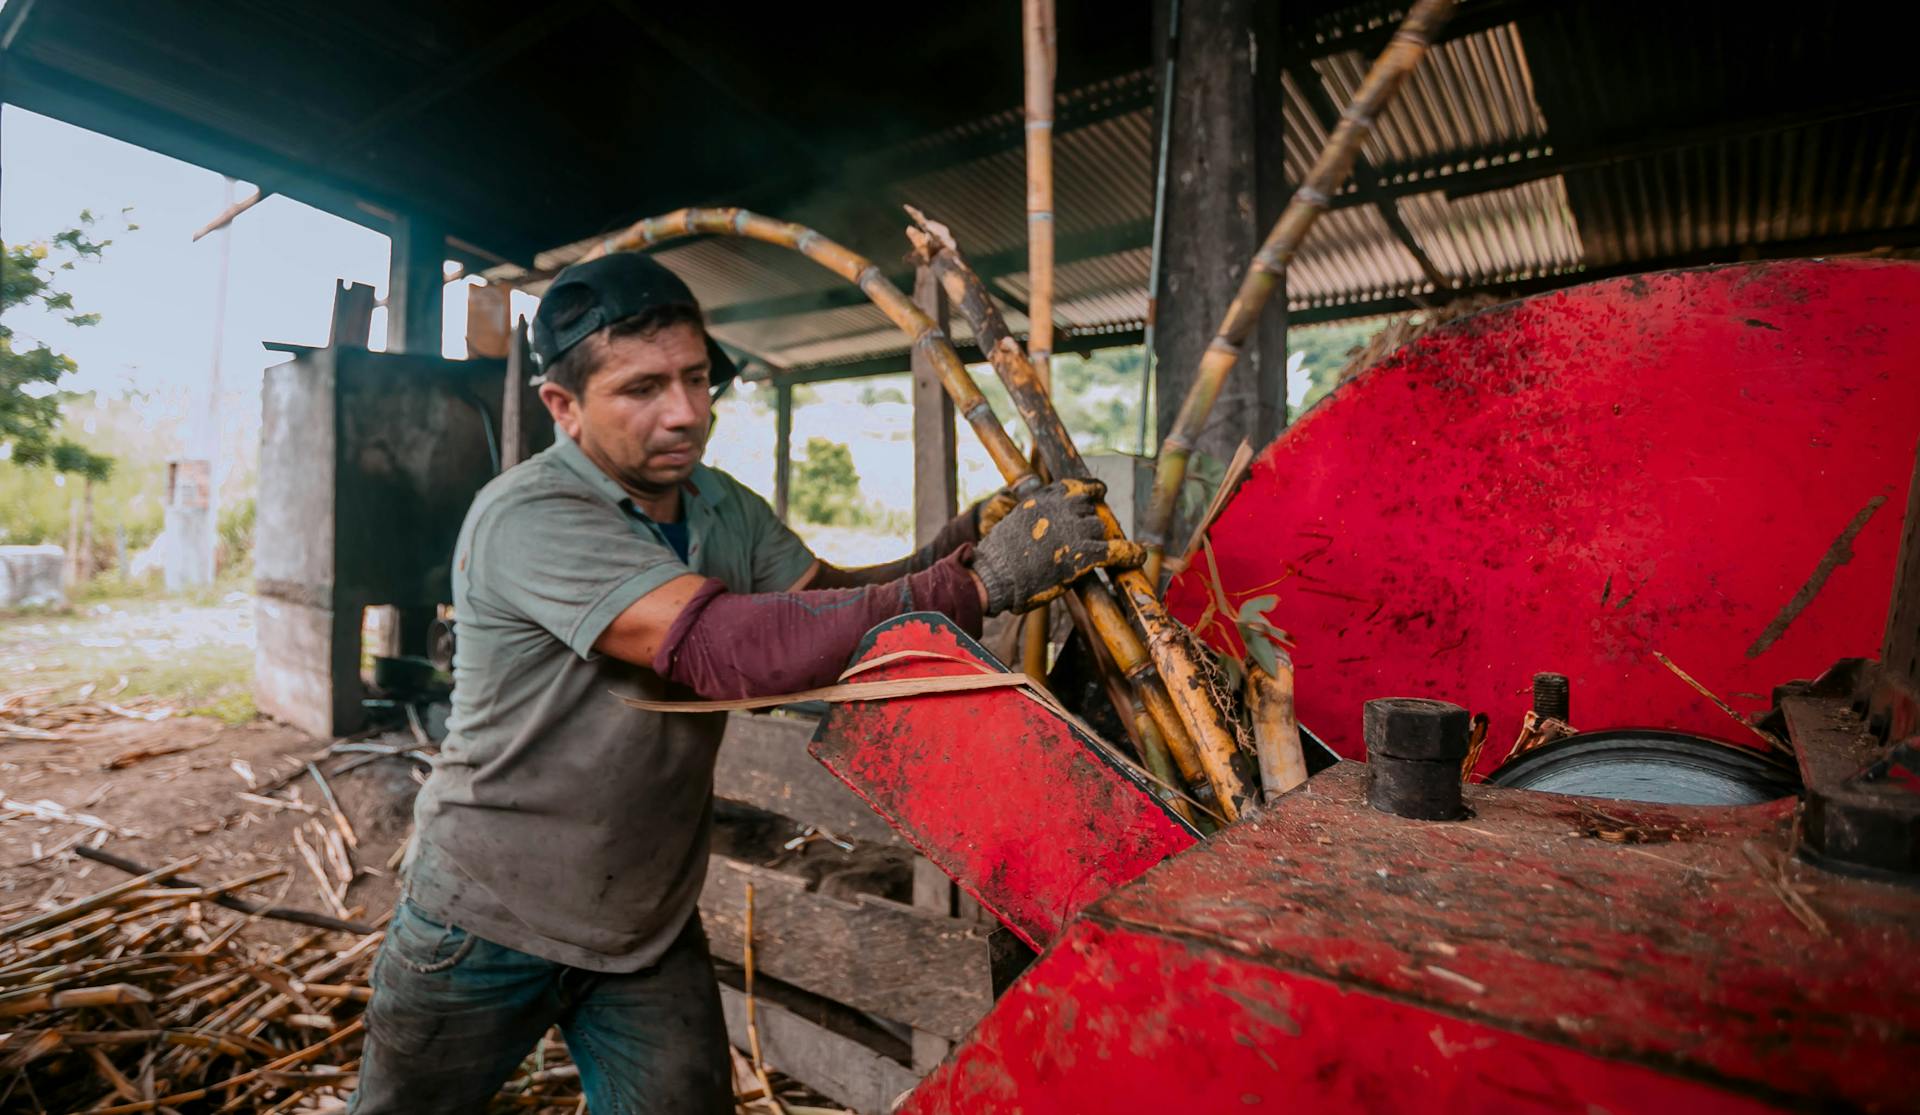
column 1414, row 751
column 1552, row 696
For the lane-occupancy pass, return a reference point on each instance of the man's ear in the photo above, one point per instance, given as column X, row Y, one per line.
column 563, row 406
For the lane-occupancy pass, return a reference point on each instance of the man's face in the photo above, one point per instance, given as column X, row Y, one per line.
column 644, row 414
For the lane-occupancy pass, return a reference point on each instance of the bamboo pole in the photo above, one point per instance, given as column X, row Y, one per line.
column 1201, row 744
column 862, row 273
column 1039, row 38
column 1039, row 43
column 1329, row 171
column 1187, row 703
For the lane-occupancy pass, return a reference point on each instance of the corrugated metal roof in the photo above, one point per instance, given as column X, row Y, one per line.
column 1471, row 96
column 1524, row 232
column 1455, row 158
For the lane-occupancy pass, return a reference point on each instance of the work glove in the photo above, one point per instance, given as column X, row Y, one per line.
column 970, row 525
column 991, row 510
column 1049, row 540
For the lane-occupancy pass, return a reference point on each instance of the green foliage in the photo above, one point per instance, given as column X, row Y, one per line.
column 36, row 504
column 1263, row 640
column 236, row 535
column 1098, row 397
column 874, row 394
column 30, row 398
column 826, row 488
column 1327, row 349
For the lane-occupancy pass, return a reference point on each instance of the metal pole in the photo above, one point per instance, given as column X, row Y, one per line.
column 782, row 447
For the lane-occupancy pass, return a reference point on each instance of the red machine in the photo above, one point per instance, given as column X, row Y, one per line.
column 1711, row 465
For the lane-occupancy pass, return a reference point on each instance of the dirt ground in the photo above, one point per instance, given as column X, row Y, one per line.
column 117, row 681
column 173, row 806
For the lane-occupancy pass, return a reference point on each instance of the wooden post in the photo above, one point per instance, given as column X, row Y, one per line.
column 513, row 394
column 782, row 448
column 935, row 476
column 935, row 496
column 415, row 275
column 1226, row 185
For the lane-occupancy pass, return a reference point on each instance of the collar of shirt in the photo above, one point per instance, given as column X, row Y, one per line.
column 697, row 493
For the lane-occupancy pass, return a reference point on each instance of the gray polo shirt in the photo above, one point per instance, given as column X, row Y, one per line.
column 558, row 821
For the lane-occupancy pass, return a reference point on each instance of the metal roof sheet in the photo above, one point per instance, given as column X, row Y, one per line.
column 1504, row 175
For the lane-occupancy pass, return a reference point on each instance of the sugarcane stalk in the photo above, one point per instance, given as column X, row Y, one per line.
column 1034, row 643
column 1329, row 172
column 862, row 273
column 1187, row 703
column 1038, row 40
column 1145, row 735
column 1203, row 741
column 1276, row 727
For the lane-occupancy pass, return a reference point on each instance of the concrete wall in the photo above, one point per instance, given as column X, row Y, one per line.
column 293, row 554
column 368, row 463
column 30, row 576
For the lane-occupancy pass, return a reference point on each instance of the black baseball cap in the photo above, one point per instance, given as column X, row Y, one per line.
column 587, row 297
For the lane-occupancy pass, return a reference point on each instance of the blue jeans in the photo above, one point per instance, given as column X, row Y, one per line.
column 453, row 1016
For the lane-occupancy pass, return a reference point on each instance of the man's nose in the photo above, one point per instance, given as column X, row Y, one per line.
column 682, row 410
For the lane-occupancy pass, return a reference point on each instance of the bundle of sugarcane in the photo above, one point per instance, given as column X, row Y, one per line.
column 1177, row 721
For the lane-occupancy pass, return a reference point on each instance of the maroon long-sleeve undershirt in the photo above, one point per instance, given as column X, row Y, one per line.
column 725, row 645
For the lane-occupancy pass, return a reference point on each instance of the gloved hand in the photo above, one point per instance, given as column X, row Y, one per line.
column 991, row 510
column 1048, row 540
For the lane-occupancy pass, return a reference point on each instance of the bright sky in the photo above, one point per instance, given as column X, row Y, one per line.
column 155, row 287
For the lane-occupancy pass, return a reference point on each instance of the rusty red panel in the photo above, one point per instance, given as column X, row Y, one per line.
column 1710, row 464
column 1028, row 814
column 1116, row 1020
column 1326, row 957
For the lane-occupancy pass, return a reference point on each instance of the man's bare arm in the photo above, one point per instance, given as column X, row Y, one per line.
column 635, row 635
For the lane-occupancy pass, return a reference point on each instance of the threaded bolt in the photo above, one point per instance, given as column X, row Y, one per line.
column 1552, row 696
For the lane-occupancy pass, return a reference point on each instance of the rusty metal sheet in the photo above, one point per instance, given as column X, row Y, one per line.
column 1711, row 464
column 1324, row 956
column 1026, row 812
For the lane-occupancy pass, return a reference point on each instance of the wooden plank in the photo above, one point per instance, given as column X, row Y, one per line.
column 837, row 1067
column 764, row 763
column 930, row 973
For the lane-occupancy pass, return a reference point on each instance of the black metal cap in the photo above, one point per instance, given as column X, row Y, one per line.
column 587, row 297
column 1416, row 728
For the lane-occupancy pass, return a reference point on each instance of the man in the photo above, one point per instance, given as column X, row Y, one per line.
column 561, row 843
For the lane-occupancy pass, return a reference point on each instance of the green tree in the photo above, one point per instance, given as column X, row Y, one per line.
column 826, row 488
column 1327, row 349
column 30, row 395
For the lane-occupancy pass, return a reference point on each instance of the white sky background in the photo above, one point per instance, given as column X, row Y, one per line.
column 154, row 288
